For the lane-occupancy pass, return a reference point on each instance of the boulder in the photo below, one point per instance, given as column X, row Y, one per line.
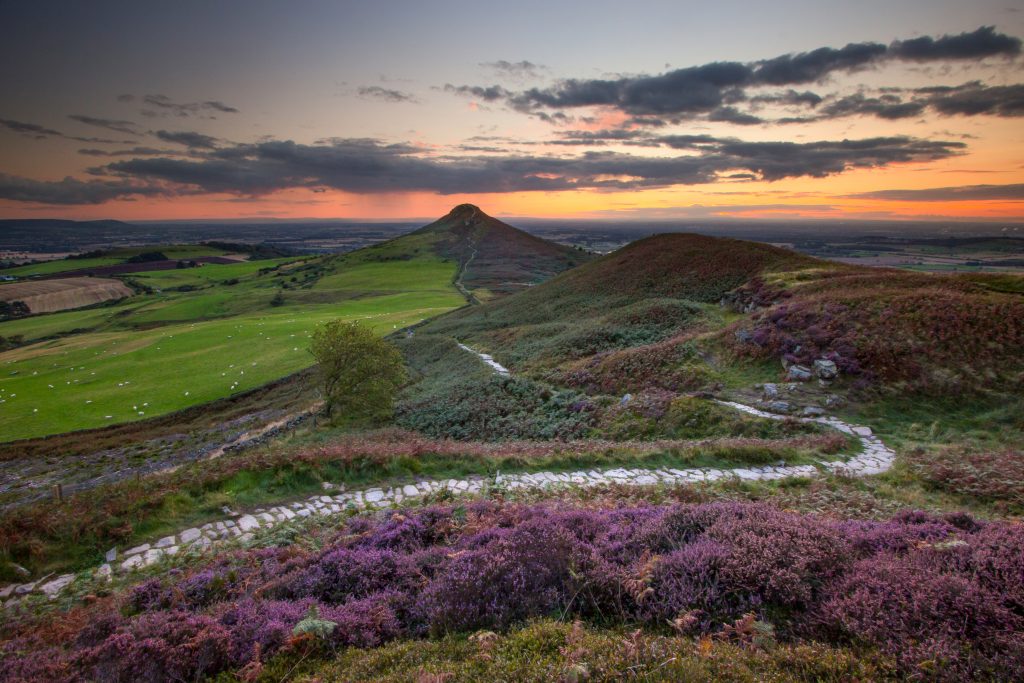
column 771, row 391
column 782, row 407
column 825, row 369
column 798, row 373
column 813, row 411
column 51, row 588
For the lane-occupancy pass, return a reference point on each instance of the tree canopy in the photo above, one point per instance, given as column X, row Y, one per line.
column 360, row 372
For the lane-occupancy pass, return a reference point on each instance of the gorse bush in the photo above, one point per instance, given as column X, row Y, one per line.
column 942, row 597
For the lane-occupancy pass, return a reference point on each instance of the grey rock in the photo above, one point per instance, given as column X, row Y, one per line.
column 834, row 401
column 813, row 411
column 165, row 542
column 825, row 369
column 190, row 535
column 744, row 336
column 624, row 401
column 771, row 391
column 781, row 407
column 248, row 523
column 798, row 373
column 137, row 550
column 110, row 555
column 51, row 588
column 133, row 562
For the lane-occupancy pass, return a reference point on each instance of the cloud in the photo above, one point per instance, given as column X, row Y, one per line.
column 973, row 98
column 118, row 126
column 37, row 132
column 733, row 115
column 959, row 193
column 968, row 99
column 168, row 106
column 488, row 94
column 712, row 91
column 368, row 166
column 70, row 191
column 522, row 70
column 134, row 151
column 385, row 94
column 188, row 138
column 984, row 42
column 808, row 67
column 32, row 130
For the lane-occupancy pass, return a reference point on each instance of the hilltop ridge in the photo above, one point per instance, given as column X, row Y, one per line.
column 494, row 257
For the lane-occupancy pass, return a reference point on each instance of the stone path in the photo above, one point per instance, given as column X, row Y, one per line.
column 874, row 458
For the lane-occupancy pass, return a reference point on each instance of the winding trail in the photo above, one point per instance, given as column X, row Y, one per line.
column 873, row 458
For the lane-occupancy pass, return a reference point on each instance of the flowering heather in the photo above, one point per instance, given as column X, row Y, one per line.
column 924, row 333
column 942, row 596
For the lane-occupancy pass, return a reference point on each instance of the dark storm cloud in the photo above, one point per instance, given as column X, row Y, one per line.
column 950, row 194
column 70, row 191
column 367, row 166
column 385, row 94
column 188, row 138
column 711, row 90
column 116, row 125
column 169, row 106
column 984, row 42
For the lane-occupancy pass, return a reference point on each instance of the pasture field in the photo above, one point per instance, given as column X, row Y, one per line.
column 159, row 353
column 112, row 258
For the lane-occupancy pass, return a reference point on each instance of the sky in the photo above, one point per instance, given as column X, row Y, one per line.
column 388, row 110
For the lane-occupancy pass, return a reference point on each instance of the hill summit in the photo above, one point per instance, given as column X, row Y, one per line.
column 495, row 258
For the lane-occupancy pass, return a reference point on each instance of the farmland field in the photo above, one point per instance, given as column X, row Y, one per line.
column 158, row 353
column 44, row 296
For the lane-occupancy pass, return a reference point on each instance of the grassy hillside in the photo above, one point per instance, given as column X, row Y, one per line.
column 206, row 334
column 202, row 333
column 674, row 314
column 494, row 258
column 749, row 300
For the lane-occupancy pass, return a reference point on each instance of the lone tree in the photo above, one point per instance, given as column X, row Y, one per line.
column 360, row 372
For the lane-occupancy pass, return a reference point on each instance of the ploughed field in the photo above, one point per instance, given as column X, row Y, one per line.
column 58, row 294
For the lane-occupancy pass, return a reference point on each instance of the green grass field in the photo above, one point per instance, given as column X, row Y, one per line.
column 111, row 258
column 154, row 354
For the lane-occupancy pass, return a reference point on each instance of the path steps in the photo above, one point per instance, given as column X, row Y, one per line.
column 874, row 458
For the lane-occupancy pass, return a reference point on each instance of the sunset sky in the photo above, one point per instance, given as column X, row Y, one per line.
column 389, row 110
